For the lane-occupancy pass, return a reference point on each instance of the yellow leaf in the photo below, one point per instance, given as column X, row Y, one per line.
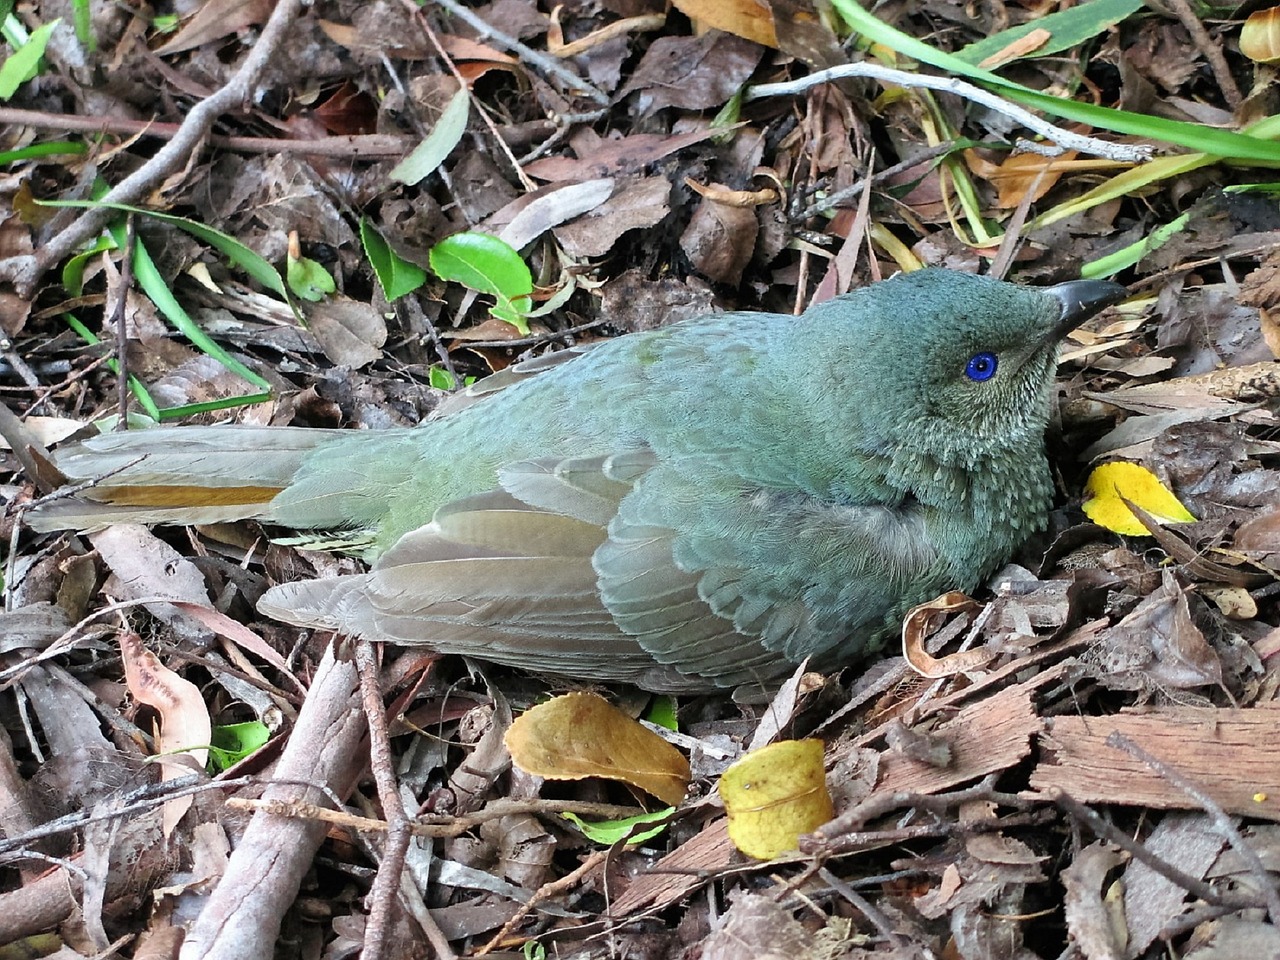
column 775, row 794
column 749, row 19
column 1111, row 484
column 583, row 735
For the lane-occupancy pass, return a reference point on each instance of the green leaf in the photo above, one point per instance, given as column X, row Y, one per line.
column 84, row 24
column 228, row 246
column 440, row 378
column 609, row 832
column 1069, row 28
column 439, row 143
column 73, row 270
column 232, row 742
column 662, row 713
column 1125, row 184
column 488, row 265
column 309, row 280
column 22, row 64
column 397, row 275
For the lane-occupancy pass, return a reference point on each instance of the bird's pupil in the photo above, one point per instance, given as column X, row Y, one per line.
column 981, row 366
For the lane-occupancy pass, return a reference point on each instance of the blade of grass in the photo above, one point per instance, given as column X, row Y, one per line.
column 1224, row 143
column 1113, row 263
column 154, row 286
column 136, row 386
column 1068, row 28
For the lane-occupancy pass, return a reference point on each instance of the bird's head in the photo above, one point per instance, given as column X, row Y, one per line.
column 960, row 364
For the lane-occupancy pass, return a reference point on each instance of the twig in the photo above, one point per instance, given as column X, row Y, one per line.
column 879, row 804
column 547, row 64
column 1003, row 259
column 1121, row 152
column 833, row 200
column 1210, row 50
column 118, row 319
column 1108, row 831
column 241, row 918
column 370, row 145
column 386, row 885
column 532, row 341
column 440, row 825
column 1217, row 817
column 542, row 893
column 867, row 909
column 26, row 271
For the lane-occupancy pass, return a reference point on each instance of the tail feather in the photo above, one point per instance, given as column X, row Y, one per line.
column 177, row 475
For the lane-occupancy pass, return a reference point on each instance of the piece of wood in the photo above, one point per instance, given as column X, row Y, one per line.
column 1231, row 755
column 679, row 873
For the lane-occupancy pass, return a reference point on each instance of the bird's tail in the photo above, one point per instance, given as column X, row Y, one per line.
column 170, row 475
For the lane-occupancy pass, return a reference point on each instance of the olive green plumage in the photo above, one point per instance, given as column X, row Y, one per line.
column 694, row 507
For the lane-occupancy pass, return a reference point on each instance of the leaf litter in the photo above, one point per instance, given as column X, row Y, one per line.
column 1092, row 768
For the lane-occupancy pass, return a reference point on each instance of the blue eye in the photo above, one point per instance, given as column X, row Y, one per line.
column 981, row 367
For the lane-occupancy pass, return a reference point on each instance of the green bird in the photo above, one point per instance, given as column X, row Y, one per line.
column 686, row 509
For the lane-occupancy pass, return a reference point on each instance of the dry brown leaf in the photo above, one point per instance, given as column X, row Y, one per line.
column 217, row 19
column 750, row 19
column 184, row 725
column 582, row 735
column 921, row 621
column 719, row 240
column 1027, row 43
column 351, row 333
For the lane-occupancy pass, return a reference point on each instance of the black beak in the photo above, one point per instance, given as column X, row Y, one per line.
column 1081, row 299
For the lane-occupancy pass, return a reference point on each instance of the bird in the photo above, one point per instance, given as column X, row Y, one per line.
column 687, row 509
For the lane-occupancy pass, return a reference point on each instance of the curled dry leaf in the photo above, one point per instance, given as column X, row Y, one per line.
column 774, row 795
column 1260, row 36
column 583, row 735
column 922, row 620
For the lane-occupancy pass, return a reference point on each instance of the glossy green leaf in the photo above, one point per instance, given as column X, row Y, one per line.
column 488, row 265
column 662, row 713
column 21, row 65
column 440, row 378
column 609, row 832
column 397, row 275
column 81, row 17
column 38, row 151
column 309, row 280
column 154, row 286
column 235, row 251
column 232, row 742
column 1113, row 263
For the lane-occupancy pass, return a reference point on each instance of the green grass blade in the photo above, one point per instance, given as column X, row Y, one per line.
column 136, row 386
column 1224, row 143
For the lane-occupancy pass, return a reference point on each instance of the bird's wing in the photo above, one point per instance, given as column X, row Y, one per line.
column 669, row 576
column 698, row 564
column 500, row 577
